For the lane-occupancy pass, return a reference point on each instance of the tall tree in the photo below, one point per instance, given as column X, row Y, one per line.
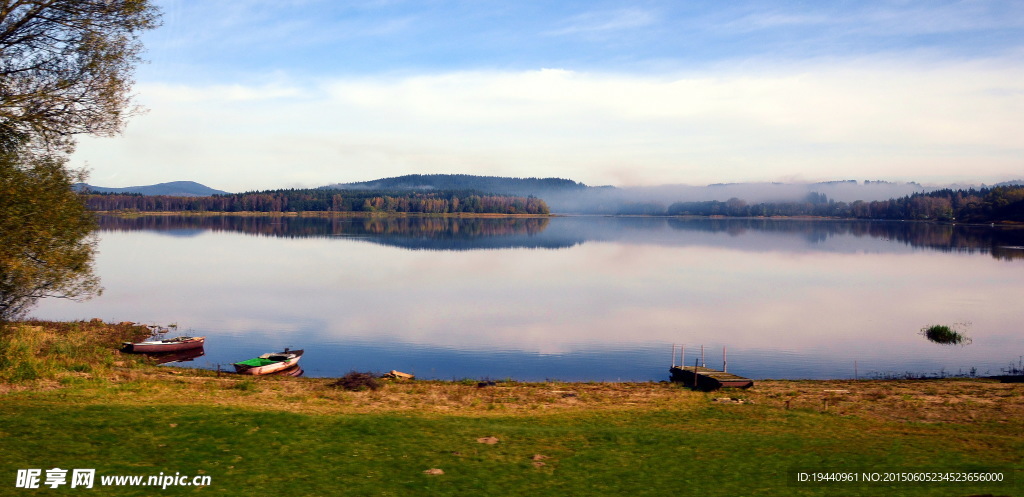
column 65, row 69
column 46, row 234
column 66, row 66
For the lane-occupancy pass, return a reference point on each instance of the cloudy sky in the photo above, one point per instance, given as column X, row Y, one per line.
column 258, row 94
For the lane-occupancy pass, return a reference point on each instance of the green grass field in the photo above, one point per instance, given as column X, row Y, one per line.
column 299, row 436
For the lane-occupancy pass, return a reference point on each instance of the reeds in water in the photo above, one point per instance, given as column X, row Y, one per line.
column 945, row 335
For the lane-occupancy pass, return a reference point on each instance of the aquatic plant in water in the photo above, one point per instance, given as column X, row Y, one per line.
column 945, row 335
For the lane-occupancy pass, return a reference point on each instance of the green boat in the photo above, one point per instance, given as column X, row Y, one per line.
column 269, row 363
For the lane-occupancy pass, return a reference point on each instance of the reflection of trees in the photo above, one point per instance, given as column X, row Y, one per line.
column 453, row 233
column 410, row 232
column 1003, row 243
column 450, row 227
column 1008, row 253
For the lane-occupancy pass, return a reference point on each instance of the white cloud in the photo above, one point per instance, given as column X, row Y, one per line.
column 605, row 21
column 840, row 119
column 164, row 93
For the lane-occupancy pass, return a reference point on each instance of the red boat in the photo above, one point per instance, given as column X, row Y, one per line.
column 166, row 345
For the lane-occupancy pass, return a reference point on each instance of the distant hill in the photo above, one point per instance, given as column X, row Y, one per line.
column 1014, row 182
column 173, row 189
column 483, row 184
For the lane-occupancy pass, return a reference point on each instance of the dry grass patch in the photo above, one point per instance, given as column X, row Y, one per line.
column 174, row 386
column 946, row 400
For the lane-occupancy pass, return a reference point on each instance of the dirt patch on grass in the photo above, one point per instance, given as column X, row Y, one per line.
column 945, row 400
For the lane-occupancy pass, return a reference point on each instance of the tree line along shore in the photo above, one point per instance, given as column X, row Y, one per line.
column 324, row 200
column 984, row 205
column 1003, row 204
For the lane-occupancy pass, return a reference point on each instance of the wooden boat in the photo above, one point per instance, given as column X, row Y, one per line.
column 166, row 345
column 269, row 363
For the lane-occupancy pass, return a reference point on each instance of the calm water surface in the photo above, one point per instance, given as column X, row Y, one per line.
column 568, row 298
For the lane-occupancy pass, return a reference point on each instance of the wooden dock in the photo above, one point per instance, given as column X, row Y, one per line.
column 708, row 379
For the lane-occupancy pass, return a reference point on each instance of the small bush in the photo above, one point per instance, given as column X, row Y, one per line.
column 355, row 381
column 80, row 368
column 31, row 350
column 18, row 361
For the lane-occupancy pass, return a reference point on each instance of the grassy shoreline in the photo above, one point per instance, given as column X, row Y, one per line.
column 122, row 415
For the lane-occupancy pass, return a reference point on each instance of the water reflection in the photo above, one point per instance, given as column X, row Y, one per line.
column 791, row 299
column 445, row 233
column 179, row 356
column 413, row 232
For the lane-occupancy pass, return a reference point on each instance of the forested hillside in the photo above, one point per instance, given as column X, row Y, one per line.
column 321, row 200
column 490, row 184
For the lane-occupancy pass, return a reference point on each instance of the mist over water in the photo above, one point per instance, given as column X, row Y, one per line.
column 612, row 200
column 570, row 298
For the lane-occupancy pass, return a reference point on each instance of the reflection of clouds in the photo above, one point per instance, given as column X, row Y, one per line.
column 548, row 303
column 597, row 295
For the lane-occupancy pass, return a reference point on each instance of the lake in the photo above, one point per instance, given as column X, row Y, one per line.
column 568, row 298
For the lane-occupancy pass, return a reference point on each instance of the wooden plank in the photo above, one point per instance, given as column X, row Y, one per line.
column 707, row 378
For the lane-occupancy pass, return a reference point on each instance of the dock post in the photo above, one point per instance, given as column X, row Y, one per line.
column 694, row 372
column 702, row 363
column 725, row 362
column 682, row 355
column 673, row 355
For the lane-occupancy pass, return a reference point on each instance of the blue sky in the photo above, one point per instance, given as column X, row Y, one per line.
column 261, row 94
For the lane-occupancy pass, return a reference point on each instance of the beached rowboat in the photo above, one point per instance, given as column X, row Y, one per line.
column 166, row 345
column 269, row 363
